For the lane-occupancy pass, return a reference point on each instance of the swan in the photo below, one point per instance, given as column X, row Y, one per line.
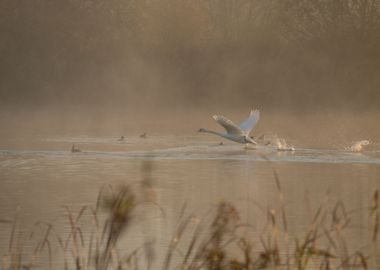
column 239, row 134
column 358, row 146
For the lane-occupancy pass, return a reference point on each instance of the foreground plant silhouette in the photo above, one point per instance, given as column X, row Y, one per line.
column 216, row 244
column 119, row 208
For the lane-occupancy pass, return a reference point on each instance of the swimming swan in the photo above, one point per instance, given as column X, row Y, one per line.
column 358, row 146
column 239, row 134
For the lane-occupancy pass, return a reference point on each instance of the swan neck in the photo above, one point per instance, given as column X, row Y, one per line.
column 213, row 132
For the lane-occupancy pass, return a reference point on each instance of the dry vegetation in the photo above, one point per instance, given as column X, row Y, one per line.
column 275, row 52
column 224, row 242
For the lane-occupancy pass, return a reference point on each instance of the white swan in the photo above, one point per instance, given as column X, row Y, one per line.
column 239, row 134
column 358, row 146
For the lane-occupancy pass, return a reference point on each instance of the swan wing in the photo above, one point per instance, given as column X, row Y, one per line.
column 230, row 127
column 248, row 124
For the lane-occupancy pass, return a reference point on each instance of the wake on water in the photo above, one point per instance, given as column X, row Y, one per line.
column 270, row 147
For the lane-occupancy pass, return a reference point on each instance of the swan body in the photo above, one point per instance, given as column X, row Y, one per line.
column 239, row 134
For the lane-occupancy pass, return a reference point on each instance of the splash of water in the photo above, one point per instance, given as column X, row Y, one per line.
column 283, row 146
column 358, row 145
column 273, row 139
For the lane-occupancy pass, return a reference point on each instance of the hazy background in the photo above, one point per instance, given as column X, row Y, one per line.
column 85, row 72
column 102, row 63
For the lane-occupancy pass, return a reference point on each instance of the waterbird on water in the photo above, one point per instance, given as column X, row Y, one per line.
column 75, row 149
column 358, row 146
column 239, row 134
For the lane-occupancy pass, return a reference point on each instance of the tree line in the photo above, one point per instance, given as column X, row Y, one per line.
column 279, row 52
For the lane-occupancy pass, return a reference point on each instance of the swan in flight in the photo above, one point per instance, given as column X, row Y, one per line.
column 239, row 134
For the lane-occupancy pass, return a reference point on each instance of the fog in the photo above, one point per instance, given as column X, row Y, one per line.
column 138, row 64
column 82, row 80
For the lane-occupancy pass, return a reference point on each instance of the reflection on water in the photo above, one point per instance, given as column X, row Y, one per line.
column 37, row 183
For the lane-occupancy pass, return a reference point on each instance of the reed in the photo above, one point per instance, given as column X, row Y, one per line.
column 224, row 242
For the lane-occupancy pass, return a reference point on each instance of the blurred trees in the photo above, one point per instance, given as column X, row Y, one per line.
column 274, row 52
column 331, row 23
column 344, row 32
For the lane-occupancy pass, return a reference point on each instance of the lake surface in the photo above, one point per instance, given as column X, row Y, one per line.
column 40, row 177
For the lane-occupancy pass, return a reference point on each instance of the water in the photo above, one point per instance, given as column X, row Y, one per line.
column 40, row 177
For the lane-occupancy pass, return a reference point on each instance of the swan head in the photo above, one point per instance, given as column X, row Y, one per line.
column 201, row 130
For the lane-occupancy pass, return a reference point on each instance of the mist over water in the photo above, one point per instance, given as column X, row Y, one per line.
column 76, row 60
column 84, row 73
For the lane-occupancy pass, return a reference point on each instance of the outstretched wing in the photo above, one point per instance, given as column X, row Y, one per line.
column 230, row 127
column 248, row 124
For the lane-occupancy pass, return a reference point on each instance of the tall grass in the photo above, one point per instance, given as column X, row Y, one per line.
column 223, row 242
